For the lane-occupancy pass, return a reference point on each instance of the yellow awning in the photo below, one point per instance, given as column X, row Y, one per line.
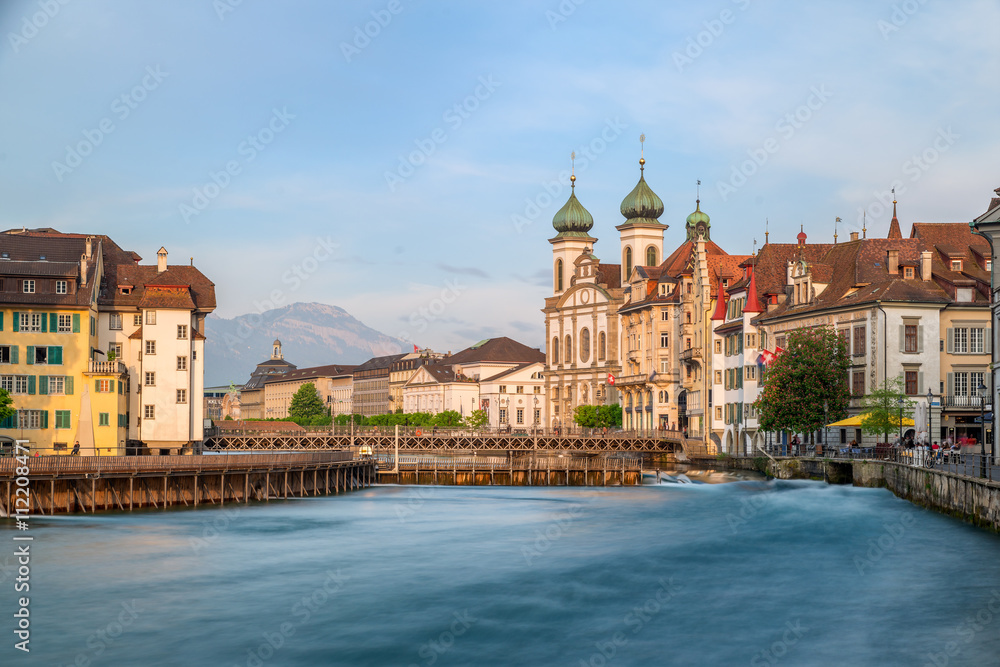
column 856, row 421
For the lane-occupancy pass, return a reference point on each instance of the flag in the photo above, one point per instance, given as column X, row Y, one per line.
column 778, row 350
column 416, row 349
column 611, row 379
column 765, row 357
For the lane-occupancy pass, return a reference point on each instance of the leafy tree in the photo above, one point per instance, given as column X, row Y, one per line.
column 6, row 405
column 586, row 416
column 810, row 373
column 228, row 418
column 881, row 414
column 344, row 420
column 598, row 416
column 611, row 416
column 448, row 419
column 306, row 405
column 477, row 419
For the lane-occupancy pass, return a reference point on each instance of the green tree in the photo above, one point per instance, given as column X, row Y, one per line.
column 811, row 373
column 477, row 419
column 586, row 416
column 306, row 405
column 6, row 405
column 881, row 414
column 448, row 419
column 610, row 415
column 598, row 416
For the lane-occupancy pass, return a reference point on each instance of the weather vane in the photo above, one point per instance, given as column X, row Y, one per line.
column 572, row 175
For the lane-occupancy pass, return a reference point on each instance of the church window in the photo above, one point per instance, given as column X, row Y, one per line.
column 650, row 256
column 559, row 275
column 555, row 350
column 585, row 345
column 569, row 349
column 602, row 342
column 628, row 263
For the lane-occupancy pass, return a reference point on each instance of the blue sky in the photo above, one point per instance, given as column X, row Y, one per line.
column 298, row 159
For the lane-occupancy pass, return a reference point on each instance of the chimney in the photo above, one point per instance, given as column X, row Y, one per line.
column 854, row 236
column 90, row 247
column 925, row 264
column 893, row 262
column 161, row 260
column 83, row 269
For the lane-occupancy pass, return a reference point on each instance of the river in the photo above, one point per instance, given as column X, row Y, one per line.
column 747, row 572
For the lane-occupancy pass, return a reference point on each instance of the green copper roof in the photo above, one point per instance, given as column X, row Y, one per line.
column 698, row 217
column 642, row 205
column 573, row 219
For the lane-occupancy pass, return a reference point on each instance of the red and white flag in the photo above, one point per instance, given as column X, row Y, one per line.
column 611, row 379
column 416, row 349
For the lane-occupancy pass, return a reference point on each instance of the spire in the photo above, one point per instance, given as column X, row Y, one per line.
column 801, row 236
column 836, row 220
column 573, row 219
column 894, row 232
column 698, row 223
column 720, row 302
column 765, row 231
column 642, row 206
column 752, row 305
column 864, row 225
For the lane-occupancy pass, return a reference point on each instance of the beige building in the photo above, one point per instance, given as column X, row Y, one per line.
column 252, row 403
column 334, row 385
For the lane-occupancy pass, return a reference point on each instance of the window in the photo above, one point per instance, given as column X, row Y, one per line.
column 115, row 321
column 57, row 385
column 718, row 347
column 519, row 390
column 908, row 272
column 503, row 415
column 150, row 347
column 182, row 363
column 149, row 411
column 718, row 377
column 538, row 390
column 961, row 341
column 751, row 372
column 650, row 256
column 559, row 275
column 5, row 354
column 103, row 386
column 503, row 389
column 585, row 345
column 751, row 340
column 104, row 419
column 63, row 419
column 782, row 342
column 664, row 315
column 150, row 317
column 28, row 286
column 859, row 341
column 64, row 323
column 858, row 383
column 975, row 341
column 30, row 322
column 136, row 320
column 60, row 287
column 664, row 340
column 520, row 415
column 718, row 412
column 182, row 395
column 989, row 265
column 32, row 418
column 555, row 350
column 182, row 332
column 628, row 264
column 569, row 349
column 116, row 349
column 538, row 415
column 150, row 378
column 911, row 383
column 910, row 338
column 41, row 354
column 602, row 346
column 956, row 265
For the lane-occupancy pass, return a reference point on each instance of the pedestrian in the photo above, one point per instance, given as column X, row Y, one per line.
column 76, row 449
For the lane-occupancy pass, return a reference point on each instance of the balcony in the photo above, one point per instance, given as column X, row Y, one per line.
column 627, row 380
column 962, row 402
column 691, row 354
column 106, row 368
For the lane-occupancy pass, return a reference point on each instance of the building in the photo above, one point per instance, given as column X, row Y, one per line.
column 213, row 398
column 333, row 384
column 121, row 344
column 404, row 368
column 371, row 394
column 252, row 393
column 515, row 398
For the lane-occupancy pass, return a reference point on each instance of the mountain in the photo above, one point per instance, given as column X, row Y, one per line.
column 311, row 334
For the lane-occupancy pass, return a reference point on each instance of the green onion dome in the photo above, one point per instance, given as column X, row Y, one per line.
column 573, row 218
column 642, row 205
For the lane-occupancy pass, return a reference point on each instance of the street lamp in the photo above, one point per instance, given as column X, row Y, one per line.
column 930, row 402
column 982, row 423
column 901, row 402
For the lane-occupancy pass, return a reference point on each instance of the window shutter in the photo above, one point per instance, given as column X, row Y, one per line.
column 951, row 343
column 902, row 338
column 1, row 320
column 987, row 339
column 920, row 339
column 45, row 323
column 45, row 418
column 55, row 354
column 112, row 386
column 13, row 354
column 76, row 322
column 31, row 384
column 53, row 322
column 15, row 320
column 31, row 355
column 920, row 383
column 951, row 382
column 97, row 385
column 68, row 384
column 43, row 385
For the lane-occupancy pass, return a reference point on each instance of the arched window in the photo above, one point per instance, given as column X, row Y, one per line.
column 569, row 349
column 602, row 347
column 555, row 350
column 651, row 256
column 559, row 275
column 628, row 264
column 585, row 345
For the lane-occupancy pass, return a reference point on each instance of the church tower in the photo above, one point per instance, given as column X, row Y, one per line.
column 573, row 223
column 641, row 233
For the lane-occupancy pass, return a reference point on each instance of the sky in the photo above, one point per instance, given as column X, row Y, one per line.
column 403, row 159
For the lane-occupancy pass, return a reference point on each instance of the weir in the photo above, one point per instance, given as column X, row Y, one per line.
column 472, row 470
column 89, row 484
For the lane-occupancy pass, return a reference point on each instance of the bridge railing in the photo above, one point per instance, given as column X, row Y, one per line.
column 429, row 462
column 97, row 465
column 423, row 431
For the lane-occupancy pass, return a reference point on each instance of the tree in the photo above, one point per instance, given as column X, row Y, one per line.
column 6, row 405
column 881, row 414
column 598, row 416
column 306, row 405
column 610, row 415
column 448, row 419
column 586, row 416
column 807, row 384
column 477, row 419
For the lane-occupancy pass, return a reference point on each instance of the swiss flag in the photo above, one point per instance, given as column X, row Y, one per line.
column 611, row 379
column 416, row 349
column 778, row 350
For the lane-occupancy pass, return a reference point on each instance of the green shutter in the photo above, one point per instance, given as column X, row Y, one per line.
column 112, row 386
column 97, row 385
column 31, row 384
column 13, row 354
column 1, row 320
column 45, row 323
column 68, row 385
column 902, row 338
column 53, row 322
column 76, row 322
column 55, row 355
column 31, row 355
column 43, row 385
column 45, row 418
column 951, row 341
column 15, row 320
column 987, row 338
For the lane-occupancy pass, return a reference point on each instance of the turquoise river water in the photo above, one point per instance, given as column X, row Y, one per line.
column 749, row 572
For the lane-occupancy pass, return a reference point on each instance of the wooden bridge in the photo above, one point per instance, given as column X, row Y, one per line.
column 592, row 441
column 529, row 470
